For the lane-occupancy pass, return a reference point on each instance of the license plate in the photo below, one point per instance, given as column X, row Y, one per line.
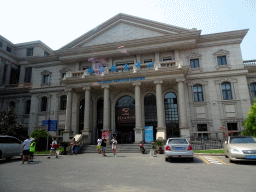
column 178, row 148
column 250, row 156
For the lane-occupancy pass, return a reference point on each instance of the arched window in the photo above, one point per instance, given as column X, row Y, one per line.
column 12, row 104
column 63, row 102
column 253, row 90
column 226, row 91
column 28, row 104
column 198, row 93
column 44, row 104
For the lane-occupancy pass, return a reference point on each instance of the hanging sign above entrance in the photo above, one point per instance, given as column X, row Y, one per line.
column 125, row 114
column 122, row 80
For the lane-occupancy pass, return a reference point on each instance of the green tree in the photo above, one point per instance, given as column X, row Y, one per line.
column 9, row 125
column 250, row 122
column 40, row 137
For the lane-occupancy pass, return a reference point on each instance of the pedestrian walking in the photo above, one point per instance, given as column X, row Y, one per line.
column 103, row 146
column 32, row 149
column 54, row 146
column 26, row 148
column 114, row 145
column 73, row 144
column 99, row 141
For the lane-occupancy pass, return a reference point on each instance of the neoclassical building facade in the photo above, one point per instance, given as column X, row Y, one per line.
column 127, row 74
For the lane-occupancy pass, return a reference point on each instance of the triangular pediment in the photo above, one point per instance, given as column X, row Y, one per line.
column 221, row 52
column 122, row 28
column 119, row 33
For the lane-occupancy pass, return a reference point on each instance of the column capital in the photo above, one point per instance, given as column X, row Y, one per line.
column 180, row 80
column 105, row 86
column 138, row 83
column 68, row 89
column 158, row 82
column 87, row 88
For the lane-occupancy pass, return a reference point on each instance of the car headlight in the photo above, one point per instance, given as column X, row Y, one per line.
column 237, row 151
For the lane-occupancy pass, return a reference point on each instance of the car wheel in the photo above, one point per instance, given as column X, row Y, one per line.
column 166, row 159
column 226, row 156
column 0, row 154
column 231, row 161
column 191, row 159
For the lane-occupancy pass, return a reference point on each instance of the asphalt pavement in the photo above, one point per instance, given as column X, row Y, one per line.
column 126, row 172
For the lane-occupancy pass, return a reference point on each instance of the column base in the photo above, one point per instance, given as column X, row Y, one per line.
column 161, row 133
column 138, row 133
column 87, row 133
column 66, row 135
column 184, row 132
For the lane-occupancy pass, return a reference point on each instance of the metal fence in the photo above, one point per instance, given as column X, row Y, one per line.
column 207, row 144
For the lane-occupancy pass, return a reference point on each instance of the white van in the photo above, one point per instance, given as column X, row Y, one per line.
column 10, row 146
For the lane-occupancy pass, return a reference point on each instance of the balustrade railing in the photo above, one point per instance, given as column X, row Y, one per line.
column 249, row 62
column 132, row 68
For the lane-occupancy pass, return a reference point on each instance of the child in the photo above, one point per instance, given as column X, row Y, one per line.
column 114, row 145
column 99, row 141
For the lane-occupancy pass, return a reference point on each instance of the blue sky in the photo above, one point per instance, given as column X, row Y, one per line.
column 57, row 22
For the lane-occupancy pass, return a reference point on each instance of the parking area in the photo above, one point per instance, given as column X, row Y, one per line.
column 126, row 172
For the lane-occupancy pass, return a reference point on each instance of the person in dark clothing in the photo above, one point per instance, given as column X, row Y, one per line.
column 103, row 146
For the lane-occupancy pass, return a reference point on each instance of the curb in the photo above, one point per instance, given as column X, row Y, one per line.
column 212, row 154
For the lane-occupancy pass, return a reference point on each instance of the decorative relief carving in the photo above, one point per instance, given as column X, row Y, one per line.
column 45, row 72
column 223, row 79
column 195, row 82
column 221, row 52
column 194, row 56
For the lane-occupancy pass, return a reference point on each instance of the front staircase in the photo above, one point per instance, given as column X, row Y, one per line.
column 121, row 148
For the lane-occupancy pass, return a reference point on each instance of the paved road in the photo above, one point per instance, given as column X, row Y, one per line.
column 126, row 172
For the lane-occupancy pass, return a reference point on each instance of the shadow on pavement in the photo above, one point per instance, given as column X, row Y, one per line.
column 244, row 162
column 183, row 160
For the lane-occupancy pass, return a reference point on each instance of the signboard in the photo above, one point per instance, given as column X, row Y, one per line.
column 125, row 115
column 52, row 124
column 122, row 80
column 148, row 134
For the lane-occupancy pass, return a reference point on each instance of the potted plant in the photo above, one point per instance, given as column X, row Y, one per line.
column 65, row 145
column 160, row 143
column 153, row 149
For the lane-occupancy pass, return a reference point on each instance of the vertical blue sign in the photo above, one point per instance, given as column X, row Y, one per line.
column 148, row 134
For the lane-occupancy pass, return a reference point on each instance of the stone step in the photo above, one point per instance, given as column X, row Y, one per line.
column 121, row 148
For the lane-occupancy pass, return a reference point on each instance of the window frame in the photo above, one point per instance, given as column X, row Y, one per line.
column 226, row 91
column 9, row 49
column 194, row 63
column 198, row 93
column 253, row 83
column 44, row 103
column 27, row 107
column 63, row 103
column 28, row 74
column 30, row 52
column 221, row 63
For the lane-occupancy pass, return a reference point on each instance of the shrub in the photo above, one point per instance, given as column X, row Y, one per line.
column 40, row 137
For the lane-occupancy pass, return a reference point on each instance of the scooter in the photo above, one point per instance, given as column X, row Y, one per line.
column 142, row 149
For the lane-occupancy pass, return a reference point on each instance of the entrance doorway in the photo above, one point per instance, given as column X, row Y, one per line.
column 150, row 112
column 125, row 119
column 171, row 115
column 81, row 116
column 100, row 105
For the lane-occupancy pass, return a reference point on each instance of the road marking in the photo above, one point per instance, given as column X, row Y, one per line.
column 219, row 160
column 204, row 159
column 212, row 160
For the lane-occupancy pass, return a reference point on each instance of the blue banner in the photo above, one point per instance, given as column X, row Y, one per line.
column 148, row 134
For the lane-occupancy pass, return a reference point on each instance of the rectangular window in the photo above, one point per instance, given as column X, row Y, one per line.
column 194, row 63
column 202, row 127
column 46, row 79
column 148, row 61
column 85, row 67
column 46, row 53
column 28, row 104
column 30, row 51
column 63, row 75
column 5, row 73
column 232, row 127
column 222, row 60
column 9, row 49
column 28, row 73
column 167, row 59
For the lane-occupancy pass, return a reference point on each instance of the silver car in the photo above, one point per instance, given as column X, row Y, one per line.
column 10, row 146
column 240, row 148
column 178, row 148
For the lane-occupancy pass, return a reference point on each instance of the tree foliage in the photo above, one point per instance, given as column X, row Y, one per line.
column 9, row 125
column 40, row 137
column 250, row 122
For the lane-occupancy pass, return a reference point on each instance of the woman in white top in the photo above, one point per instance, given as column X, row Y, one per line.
column 114, row 145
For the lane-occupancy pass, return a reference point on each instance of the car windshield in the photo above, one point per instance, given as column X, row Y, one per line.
column 177, row 141
column 242, row 140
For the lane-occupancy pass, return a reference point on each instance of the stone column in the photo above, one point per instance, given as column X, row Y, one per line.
column 22, row 76
column 106, row 110
column 67, row 131
column 184, row 129
column 8, row 74
column 157, row 61
column 1, row 71
column 33, row 117
column 138, row 117
column 161, row 128
column 178, row 62
column 87, row 130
